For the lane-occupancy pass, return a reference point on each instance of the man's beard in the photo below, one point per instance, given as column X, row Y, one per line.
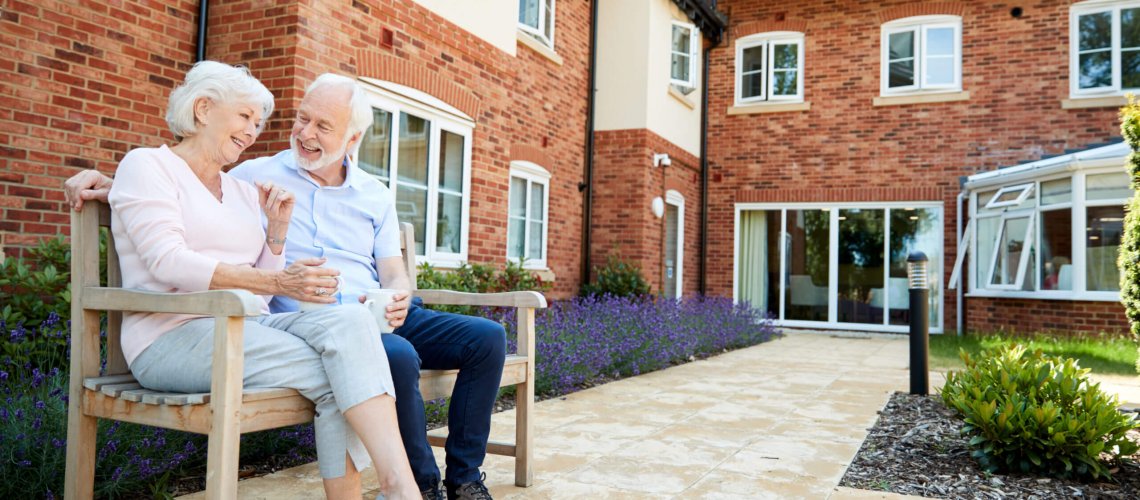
column 325, row 159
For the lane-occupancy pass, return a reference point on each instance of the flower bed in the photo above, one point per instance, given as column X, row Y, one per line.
column 579, row 341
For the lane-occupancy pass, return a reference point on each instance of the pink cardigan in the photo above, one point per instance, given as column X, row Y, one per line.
column 171, row 233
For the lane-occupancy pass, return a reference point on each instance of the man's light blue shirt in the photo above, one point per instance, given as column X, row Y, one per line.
column 352, row 225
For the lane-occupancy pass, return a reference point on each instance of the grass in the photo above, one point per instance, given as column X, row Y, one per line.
column 1104, row 355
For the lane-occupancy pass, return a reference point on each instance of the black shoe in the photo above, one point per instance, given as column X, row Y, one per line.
column 432, row 493
column 475, row 490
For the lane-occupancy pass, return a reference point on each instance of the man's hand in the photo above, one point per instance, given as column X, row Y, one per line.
column 398, row 309
column 84, row 186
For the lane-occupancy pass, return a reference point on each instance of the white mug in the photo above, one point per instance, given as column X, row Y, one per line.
column 377, row 301
column 305, row 306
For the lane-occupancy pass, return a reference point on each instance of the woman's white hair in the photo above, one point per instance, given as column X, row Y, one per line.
column 361, row 117
column 220, row 83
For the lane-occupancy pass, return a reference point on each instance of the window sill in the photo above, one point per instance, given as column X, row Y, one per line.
column 530, row 42
column 682, row 98
column 777, row 107
column 1090, row 296
column 923, row 98
column 1112, row 101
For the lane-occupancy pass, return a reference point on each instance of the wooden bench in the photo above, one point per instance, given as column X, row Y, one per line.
column 227, row 410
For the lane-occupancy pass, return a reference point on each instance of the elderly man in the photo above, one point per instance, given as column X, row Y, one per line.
column 348, row 217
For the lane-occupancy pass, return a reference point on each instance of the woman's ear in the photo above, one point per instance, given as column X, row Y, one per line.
column 202, row 110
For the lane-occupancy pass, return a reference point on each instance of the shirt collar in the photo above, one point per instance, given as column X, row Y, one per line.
column 353, row 176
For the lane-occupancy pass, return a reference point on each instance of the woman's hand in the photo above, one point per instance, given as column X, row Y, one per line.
column 84, row 186
column 277, row 204
column 306, row 281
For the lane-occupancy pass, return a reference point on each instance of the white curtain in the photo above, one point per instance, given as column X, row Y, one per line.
column 754, row 258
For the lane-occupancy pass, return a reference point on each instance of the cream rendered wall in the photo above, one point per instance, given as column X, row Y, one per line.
column 495, row 21
column 634, row 40
column 622, row 65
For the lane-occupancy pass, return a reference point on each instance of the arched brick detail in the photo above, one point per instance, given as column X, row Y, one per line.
column 754, row 27
column 393, row 69
column 526, row 152
column 923, row 9
column 676, row 184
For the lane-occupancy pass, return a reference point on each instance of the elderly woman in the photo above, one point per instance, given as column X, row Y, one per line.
column 183, row 225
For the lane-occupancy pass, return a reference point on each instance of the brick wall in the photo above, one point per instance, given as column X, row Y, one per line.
column 88, row 82
column 846, row 149
column 80, row 84
column 1061, row 316
column 625, row 183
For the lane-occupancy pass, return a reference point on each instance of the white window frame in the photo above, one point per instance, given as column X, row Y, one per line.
column 441, row 117
column 532, row 173
column 1078, row 206
column 769, row 41
column 920, row 25
column 676, row 199
column 1095, row 7
column 1028, row 244
column 537, row 31
column 1026, row 190
column 693, row 55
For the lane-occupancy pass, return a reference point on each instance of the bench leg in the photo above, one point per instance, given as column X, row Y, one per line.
column 524, row 400
column 79, row 478
column 225, row 400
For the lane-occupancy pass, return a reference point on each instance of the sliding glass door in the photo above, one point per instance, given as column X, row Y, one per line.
column 837, row 265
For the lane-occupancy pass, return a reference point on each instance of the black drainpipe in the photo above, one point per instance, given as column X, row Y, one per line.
column 588, row 184
column 705, row 169
column 203, row 8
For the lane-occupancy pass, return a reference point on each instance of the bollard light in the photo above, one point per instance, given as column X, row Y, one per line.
column 919, row 323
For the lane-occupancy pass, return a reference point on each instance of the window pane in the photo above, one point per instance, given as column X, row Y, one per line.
column 536, row 199
column 451, row 161
column 752, row 59
column 987, row 233
column 516, row 231
column 1056, row 227
column 413, row 153
column 518, row 197
column 808, row 267
column 1095, row 31
column 681, row 39
column 680, row 69
column 1103, row 230
column 528, row 13
column 901, row 74
column 759, row 283
column 375, row 146
column 753, row 86
column 535, row 237
column 548, row 22
column 912, row 230
column 785, row 56
column 901, row 45
column 411, row 206
column 940, row 42
column 1096, row 70
column 1129, row 28
column 449, row 223
column 1130, row 69
column 940, row 71
column 1112, row 186
column 1009, row 251
column 784, row 83
column 1057, row 191
column 861, row 263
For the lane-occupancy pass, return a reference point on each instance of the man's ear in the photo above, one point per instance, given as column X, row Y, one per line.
column 355, row 139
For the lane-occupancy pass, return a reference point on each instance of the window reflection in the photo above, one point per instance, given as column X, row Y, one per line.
column 808, row 268
column 861, row 263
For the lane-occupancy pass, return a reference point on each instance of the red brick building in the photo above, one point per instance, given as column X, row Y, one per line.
column 831, row 138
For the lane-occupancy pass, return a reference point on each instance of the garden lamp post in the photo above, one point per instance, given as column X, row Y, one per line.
column 919, row 323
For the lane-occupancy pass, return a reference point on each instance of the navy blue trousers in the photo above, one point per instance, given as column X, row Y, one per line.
column 435, row 340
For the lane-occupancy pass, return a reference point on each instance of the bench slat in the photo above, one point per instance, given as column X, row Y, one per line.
column 95, row 383
column 116, row 390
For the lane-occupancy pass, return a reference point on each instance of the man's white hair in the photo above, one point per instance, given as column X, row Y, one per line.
column 361, row 112
column 220, row 83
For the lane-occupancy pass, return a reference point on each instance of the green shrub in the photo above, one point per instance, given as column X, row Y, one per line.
column 478, row 278
column 1028, row 412
column 1128, row 259
column 618, row 278
column 37, row 287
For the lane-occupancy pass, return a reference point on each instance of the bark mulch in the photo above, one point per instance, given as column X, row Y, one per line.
column 916, row 448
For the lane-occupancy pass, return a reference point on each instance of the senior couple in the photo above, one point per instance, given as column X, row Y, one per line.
column 181, row 224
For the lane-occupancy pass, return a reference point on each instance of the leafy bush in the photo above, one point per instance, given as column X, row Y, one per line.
column 37, row 287
column 618, row 278
column 1128, row 259
column 478, row 278
column 1028, row 412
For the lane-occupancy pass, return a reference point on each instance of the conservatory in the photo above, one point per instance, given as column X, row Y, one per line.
column 1049, row 229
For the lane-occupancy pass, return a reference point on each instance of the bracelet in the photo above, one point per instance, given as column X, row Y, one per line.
column 274, row 241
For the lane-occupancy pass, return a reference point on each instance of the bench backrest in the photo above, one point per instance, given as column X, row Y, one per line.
column 85, row 270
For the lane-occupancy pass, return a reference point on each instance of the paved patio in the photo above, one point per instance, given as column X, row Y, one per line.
column 777, row 420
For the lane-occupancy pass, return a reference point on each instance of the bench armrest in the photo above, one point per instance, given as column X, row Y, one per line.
column 503, row 299
column 212, row 303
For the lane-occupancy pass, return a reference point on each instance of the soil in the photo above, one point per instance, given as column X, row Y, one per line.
column 916, row 448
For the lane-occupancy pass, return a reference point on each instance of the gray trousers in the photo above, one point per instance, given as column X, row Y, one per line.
column 332, row 356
